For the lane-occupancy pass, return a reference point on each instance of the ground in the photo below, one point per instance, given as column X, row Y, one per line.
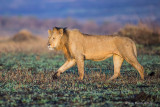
column 26, row 80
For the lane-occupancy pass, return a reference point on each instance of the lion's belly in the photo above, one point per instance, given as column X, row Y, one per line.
column 97, row 57
column 99, row 52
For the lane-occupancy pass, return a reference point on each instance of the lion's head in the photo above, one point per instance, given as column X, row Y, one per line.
column 54, row 38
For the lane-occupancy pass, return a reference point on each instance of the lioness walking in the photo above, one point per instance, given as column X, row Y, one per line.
column 78, row 47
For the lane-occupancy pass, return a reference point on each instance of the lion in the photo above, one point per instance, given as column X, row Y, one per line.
column 78, row 47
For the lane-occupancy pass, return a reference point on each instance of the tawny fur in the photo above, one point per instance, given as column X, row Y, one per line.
column 78, row 47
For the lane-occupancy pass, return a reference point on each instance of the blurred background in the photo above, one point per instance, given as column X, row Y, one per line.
column 137, row 19
column 27, row 66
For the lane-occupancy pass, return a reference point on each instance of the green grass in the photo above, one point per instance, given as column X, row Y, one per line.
column 25, row 80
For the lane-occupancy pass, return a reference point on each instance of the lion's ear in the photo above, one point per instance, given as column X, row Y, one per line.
column 49, row 32
column 61, row 31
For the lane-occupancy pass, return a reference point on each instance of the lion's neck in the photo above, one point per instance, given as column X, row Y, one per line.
column 66, row 53
column 64, row 46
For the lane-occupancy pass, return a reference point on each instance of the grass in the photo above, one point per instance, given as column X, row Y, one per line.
column 25, row 80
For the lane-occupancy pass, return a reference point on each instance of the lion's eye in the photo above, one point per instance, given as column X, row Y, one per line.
column 53, row 38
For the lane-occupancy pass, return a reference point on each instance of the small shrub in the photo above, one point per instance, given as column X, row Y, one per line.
column 141, row 33
column 23, row 35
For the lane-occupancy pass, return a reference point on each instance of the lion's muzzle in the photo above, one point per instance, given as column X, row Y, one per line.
column 50, row 47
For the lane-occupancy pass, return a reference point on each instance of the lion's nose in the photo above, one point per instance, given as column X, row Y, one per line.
column 49, row 44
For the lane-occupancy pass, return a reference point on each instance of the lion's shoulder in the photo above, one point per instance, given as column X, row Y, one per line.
column 74, row 33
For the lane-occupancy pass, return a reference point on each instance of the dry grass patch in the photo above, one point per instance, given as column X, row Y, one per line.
column 23, row 41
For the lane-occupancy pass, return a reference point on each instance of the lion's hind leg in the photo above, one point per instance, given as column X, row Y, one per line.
column 117, row 60
column 134, row 62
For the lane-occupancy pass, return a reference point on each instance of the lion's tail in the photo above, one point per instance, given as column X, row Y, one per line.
column 134, row 49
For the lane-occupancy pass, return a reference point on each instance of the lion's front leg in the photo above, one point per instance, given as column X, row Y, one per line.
column 64, row 67
column 80, row 64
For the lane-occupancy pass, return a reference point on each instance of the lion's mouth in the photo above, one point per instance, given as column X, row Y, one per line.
column 50, row 48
